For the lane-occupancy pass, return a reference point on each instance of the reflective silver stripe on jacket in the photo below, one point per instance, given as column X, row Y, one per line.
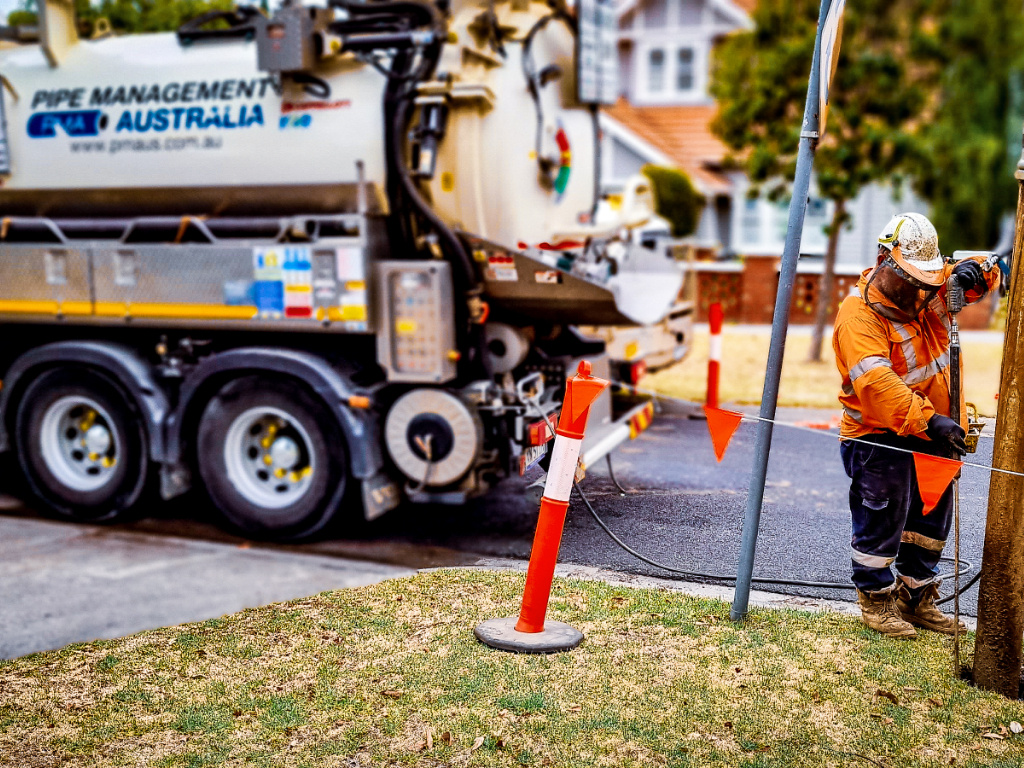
column 871, row 561
column 907, row 345
column 869, row 364
column 855, row 415
column 938, row 306
column 913, row 583
column 925, row 372
column 932, row 545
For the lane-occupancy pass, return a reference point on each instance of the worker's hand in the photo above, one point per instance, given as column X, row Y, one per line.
column 969, row 275
column 944, row 431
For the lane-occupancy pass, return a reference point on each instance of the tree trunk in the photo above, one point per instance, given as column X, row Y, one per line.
column 998, row 647
column 828, row 283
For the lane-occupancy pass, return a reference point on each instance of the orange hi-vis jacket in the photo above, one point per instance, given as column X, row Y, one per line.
column 895, row 375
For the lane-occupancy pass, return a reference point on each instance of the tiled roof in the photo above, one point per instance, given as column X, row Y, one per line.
column 626, row 6
column 684, row 134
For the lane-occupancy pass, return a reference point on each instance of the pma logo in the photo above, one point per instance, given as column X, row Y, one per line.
column 86, row 122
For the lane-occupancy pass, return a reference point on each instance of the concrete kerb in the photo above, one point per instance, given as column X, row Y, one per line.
column 758, row 598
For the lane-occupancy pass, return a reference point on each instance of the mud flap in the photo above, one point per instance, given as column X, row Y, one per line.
column 380, row 495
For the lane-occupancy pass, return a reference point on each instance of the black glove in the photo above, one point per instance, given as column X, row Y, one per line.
column 944, row 431
column 970, row 275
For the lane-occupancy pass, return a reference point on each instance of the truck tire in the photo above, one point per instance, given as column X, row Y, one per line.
column 272, row 458
column 81, row 445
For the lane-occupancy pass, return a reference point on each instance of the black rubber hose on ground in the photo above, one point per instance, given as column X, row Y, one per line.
column 729, row 577
column 966, row 566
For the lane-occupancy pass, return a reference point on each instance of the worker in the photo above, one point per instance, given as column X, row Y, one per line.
column 891, row 343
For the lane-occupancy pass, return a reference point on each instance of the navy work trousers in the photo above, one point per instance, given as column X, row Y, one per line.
column 888, row 524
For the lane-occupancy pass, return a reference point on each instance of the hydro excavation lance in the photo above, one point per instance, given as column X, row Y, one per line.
column 955, row 301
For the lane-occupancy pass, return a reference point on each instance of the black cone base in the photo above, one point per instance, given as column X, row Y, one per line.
column 502, row 634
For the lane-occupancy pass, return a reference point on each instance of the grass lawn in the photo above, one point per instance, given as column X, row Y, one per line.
column 812, row 385
column 391, row 675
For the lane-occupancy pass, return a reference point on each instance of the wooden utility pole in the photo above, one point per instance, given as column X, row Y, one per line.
column 997, row 655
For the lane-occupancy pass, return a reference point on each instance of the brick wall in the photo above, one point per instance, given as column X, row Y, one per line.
column 760, row 284
column 747, row 293
column 722, row 287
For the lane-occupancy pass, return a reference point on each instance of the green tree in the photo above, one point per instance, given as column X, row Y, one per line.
column 675, row 198
column 963, row 165
column 759, row 78
column 131, row 15
column 156, row 15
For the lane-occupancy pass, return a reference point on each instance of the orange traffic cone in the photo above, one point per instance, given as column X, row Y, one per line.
column 530, row 634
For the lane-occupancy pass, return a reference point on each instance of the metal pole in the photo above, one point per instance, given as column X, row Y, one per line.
column 954, row 303
column 780, row 325
column 997, row 654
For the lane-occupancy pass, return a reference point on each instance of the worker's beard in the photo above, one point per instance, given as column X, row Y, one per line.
column 907, row 296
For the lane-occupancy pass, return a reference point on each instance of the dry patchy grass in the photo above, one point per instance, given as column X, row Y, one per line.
column 811, row 385
column 391, row 675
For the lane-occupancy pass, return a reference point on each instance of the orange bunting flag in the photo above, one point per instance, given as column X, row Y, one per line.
column 722, row 426
column 934, row 474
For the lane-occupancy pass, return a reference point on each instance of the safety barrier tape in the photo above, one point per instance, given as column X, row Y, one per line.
column 790, row 425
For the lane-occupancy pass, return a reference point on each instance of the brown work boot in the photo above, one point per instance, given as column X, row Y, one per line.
column 878, row 611
column 925, row 613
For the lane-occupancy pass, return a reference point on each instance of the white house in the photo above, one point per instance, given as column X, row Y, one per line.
column 663, row 116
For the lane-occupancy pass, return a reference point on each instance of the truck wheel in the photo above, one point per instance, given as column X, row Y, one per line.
column 81, row 445
column 272, row 458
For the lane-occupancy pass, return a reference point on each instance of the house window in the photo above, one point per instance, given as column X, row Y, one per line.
column 781, row 220
column 750, row 222
column 816, row 209
column 684, row 69
column 815, row 221
column 656, row 70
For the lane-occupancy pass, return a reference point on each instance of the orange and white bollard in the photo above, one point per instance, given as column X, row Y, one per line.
column 530, row 633
column 715, row 316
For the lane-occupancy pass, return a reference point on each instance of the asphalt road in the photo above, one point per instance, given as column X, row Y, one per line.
column 64, row 582
column 686, row 511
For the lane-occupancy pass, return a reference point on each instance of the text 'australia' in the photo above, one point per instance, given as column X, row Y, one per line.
column 176, row 118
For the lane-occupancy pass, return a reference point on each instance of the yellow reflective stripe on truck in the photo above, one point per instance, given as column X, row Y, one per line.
column 45, row 307
column 641, row 421
column 347, row 312
column 185, row 311
column 356, row 312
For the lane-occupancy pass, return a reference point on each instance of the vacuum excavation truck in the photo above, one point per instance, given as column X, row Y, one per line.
column 317, row 262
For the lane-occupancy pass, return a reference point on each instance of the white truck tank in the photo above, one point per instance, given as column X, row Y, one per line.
column 153, row 125
column 145, row 125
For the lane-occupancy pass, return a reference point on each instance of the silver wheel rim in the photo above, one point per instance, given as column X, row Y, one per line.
column 79, row 444
column 269, row 457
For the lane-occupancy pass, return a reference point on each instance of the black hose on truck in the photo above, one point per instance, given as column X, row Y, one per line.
column 404, row 195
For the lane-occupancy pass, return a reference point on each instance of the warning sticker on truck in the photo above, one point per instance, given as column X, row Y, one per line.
column 283, row 281
column 298, row 282
column 501, row 267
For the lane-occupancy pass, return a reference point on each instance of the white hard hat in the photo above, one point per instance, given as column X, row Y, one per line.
column 916, row 239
